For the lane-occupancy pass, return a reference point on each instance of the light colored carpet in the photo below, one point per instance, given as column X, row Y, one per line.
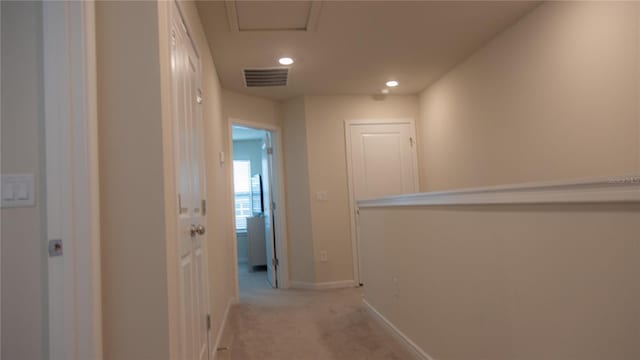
column 271, row 324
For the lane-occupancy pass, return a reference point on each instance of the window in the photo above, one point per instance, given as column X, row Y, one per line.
column 242, row 192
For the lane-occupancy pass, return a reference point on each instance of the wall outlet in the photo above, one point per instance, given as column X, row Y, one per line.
column 321, row 196
column 323, row 256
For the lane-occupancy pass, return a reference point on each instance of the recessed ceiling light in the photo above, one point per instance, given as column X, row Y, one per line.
column 384, row 91
column 392, row 83
column 285, row 61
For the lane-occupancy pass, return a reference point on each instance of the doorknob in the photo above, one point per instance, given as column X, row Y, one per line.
column 197, row 230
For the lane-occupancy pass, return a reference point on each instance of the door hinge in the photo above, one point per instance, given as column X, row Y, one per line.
column 269, row 151
column 208, row 322
column 273, row 206
column 173, row 38
column 199, row 97
column 357, row 211
column 204, row 207
column 275, row 262
column 180, row 208
column 411, row 140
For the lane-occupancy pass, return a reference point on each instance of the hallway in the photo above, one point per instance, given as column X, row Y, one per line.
column 304, row 325
column 476, row 164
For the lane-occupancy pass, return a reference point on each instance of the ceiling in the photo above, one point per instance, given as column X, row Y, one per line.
column 349, row 47
column 243, row 133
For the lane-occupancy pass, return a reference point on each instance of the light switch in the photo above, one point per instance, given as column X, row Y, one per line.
column 7, row 191
column 23, row 191
column 18, row 190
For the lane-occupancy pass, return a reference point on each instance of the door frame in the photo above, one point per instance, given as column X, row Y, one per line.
column 72, row 179
column 282, row 252
column 353, row 208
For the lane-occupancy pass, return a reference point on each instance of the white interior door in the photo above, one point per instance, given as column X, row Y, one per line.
column 267, row 160
column 382, row 161
column 190, row 183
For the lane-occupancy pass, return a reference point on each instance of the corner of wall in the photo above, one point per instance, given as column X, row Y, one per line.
column 300, row 235
column 134, row 267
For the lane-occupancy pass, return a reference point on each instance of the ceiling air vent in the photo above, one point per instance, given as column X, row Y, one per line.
column 266, row 77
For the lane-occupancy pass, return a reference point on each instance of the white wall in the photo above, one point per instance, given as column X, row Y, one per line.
column 254, row 109
column 296, row 166
column 553, row 282
column 24, row 259
column 553, row 97
column 133, row 242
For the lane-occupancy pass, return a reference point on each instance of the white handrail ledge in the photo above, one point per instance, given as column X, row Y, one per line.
column 597, row 190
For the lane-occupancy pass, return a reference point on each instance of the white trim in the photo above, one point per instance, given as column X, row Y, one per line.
column 223, row 325
column 1, row 307
column 408, row 343
column 323, row 285
column 70, row 87
column 234, row 27
column 232, row 15
column 282, row 249
column 232, row 205
column 638, row 83
column 355, row 248
column 606, row 189
column 385, row 121
column 314, row 15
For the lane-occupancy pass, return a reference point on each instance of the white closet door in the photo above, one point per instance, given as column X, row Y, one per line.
column 190, row 182
column 382, row 161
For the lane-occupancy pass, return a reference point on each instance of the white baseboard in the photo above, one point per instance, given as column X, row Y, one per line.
column 222, row 327
column 408, row 343
column 322, row 285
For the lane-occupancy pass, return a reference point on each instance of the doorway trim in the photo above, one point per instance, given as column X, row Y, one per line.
column 353, row 208
column 72, row 188
column 282, row 253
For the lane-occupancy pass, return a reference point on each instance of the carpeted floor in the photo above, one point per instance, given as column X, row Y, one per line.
column 271, row 324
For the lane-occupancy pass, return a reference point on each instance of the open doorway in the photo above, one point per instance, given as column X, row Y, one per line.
column 257, row 191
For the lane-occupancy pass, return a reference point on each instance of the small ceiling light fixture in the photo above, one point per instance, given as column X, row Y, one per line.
column 285, row 61
column 384, row 91
column 392, row 83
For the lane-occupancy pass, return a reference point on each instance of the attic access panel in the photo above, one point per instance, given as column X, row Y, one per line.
column 272, row 15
